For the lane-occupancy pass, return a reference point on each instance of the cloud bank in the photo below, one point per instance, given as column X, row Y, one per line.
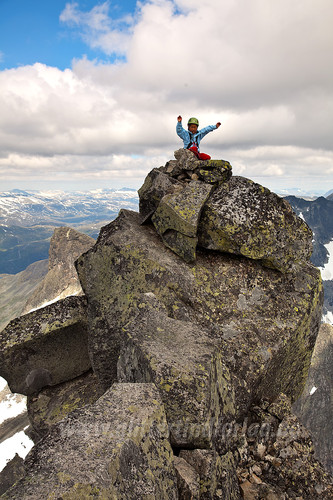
column 261, row 68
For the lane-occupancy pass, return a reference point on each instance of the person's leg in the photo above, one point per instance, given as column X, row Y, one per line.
column 194, row 150
column 203, row 156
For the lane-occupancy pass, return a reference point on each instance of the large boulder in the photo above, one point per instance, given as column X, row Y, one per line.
column 45, row 347
column 116, row 448
column 247, row 219
column 250, row 328
column 156, row 185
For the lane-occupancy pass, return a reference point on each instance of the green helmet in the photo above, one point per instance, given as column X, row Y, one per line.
column 193, row 120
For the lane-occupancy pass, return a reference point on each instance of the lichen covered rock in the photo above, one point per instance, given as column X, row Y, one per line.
column 45, row 347
column 197, row 345
column 247, row 219
column 188, row 481
column 264, row 322
column 180, row 213
column 214, row 171
column 217, row 473
column 54, row 403
column 117, row 448
column 187, row 166
column 183, row 362
column 157, row 184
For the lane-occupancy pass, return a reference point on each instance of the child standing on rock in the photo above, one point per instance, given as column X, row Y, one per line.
column 193, row 136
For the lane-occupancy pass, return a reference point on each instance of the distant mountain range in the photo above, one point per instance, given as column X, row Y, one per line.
column 28, row 219
column 318, row 214
column 301, row 193
column 24, row 208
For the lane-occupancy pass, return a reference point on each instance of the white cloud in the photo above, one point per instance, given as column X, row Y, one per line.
column 98, row 29
column 261, row 68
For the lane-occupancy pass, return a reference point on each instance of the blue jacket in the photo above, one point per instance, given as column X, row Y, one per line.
column 189, row 138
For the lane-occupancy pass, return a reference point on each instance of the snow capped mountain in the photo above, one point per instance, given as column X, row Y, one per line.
column 329, row 193
column 301, row 193
column 28, row 219
column 24, row 208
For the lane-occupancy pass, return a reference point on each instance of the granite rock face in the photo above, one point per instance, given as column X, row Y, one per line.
column 183, row 366
column 176, row 220
column 156, row 185
column 45, row 347
column 192, row 350
column 232, row 299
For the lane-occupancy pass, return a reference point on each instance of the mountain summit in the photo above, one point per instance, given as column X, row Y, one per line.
column 198, row 323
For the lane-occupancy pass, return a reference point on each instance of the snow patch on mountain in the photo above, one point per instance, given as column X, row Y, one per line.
column 11, row 406
column 327, row 269
column 20, row 443
column 328, row 318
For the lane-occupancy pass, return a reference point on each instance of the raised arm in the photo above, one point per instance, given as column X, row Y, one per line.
column 181, row 132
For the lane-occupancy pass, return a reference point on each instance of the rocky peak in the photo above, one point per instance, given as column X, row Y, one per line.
column 195, row 203
column 200, row 334
column 66, row 246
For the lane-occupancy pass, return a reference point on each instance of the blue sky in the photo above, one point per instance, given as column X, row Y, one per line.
column 90, row 91
column 31, row 31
